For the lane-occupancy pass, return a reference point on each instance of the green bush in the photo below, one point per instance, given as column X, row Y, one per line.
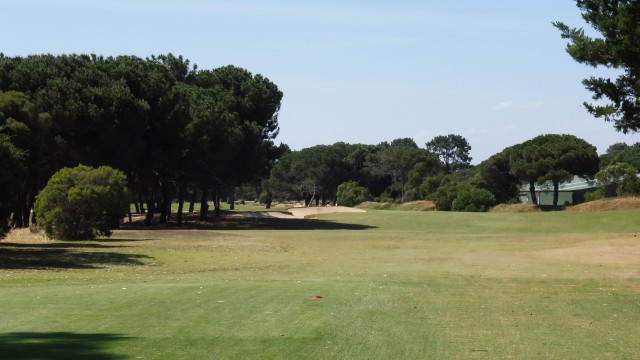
column 81, row 203
column 444, row 196
column 594, row 195
column 473, row 199
column 350, row 194
column 618, row 179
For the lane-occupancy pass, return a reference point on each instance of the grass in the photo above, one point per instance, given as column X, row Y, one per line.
column 427, row 285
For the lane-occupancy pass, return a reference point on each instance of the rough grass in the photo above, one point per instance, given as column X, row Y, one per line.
column 611, row 204
column 394, row 284
column 515, row 208
column 421, row 205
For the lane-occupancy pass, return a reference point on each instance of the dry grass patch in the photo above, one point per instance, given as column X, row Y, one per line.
column 421, row 205
column 623, row 203
column 515, row 208
column 26, row 236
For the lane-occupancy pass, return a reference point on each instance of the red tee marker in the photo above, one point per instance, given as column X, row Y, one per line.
column 317, row 297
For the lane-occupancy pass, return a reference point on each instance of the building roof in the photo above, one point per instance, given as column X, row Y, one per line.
column 577, row 183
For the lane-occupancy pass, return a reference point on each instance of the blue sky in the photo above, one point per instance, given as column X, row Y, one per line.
column 493, row 71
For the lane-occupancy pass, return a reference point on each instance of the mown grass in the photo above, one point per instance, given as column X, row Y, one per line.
column 413, row 285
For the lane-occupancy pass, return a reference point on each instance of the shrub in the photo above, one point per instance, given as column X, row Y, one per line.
column 444, row 196
column 350, row 194
column 82, row 202
column 617, row 180
column 594, row 195
column 473, row 199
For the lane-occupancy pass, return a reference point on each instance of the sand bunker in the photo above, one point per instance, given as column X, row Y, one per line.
column 301, row 212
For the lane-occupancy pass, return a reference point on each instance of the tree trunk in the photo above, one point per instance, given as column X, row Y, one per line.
column 232, row 198
column 141, row 202
column 216, row 201
column 162, row 204
column 556, row 188
column 20, row 210
column 180, row 204
column 17, row 220
column 192, row 204
column 151, row 208
column 204, row 205
column 532, row 190
column 170, row 193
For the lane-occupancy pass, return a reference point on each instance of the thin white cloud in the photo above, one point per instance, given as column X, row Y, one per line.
column 512, row 105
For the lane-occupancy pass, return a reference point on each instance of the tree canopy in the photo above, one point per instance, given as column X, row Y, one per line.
column 618, row 23
column 453, row 151
column 554, row 158
column 169, row 126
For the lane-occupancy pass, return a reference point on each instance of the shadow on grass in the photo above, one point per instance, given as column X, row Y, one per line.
column 248, row 223
column 62, row 256
column 58, row 345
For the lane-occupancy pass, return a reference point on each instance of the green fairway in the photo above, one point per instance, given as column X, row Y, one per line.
column 409, row 285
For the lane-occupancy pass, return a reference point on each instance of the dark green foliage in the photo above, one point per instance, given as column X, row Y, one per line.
column 554, row 158
column 594, row 195
column 446, row 194
column 12, row 170
column 622, row 152
column 495, row 176
column 81, row 203
column 398, row 160
column 618, row 179
column 453, row 151
column 430, row 185
column 350, row 194
column 170, row 127
column 315, row 171
column 472, row 199
column 617, row 21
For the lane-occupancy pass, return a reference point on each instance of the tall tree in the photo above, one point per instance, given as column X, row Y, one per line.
column 618, row 22
column 397, row 160
column 567, row 155
column 453, row 151
column 12, row 168
column 554, row 158
column 496, row 177
column 621, row 152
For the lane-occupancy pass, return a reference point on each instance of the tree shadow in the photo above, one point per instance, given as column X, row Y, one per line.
column 63, row 256
column 226, row 222
column 58, row 345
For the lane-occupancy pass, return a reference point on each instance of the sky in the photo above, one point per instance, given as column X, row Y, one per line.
column 493, row 71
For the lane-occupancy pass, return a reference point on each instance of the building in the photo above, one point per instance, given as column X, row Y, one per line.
column 569, row 193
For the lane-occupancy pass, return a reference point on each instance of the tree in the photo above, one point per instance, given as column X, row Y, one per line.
column 618, row 22
column 621, row 152
column 350, row 194
column 496, row 177
column 13, row 169
column 397, row 160
column 82, row 202
column 453, row 151
column 473, row 199
column 617, row 180
column 554, row 158
column 446, row 195
column 567, row 155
